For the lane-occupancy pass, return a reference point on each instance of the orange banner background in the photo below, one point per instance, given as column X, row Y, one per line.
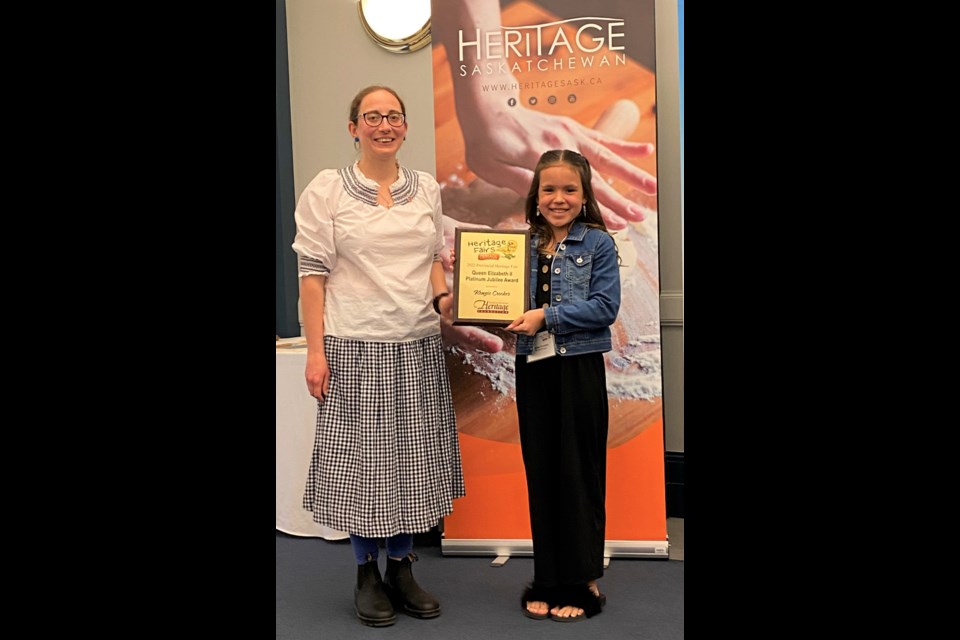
column 495, row 506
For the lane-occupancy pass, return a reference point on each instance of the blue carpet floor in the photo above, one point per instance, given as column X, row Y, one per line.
column 315, row 581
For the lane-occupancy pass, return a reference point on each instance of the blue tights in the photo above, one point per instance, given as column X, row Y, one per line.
column 366, row 549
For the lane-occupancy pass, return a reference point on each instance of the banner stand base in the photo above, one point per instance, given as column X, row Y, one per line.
column 502, row 550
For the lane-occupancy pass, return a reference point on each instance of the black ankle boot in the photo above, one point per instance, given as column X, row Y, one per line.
column 369, row 600
column 404, row 591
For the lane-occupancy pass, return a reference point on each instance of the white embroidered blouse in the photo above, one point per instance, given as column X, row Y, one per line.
column 377, row 260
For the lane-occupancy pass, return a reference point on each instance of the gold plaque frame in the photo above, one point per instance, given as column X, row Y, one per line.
column 491, row 276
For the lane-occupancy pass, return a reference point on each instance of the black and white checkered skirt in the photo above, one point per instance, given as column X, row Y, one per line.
column 386, row 458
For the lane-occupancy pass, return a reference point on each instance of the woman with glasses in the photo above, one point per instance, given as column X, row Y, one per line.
column 386, row 459
column 562, row 406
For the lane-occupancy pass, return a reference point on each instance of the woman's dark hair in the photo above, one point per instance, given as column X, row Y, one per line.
column 355, row 105
column 591, row 213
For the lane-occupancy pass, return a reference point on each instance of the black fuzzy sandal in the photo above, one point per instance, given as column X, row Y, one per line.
column 601, row 597
column 534, row 594
column 581, row 597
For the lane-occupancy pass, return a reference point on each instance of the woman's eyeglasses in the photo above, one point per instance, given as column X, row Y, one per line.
column 394, row 118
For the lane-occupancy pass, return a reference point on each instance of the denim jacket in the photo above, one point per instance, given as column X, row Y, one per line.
column 584, row 292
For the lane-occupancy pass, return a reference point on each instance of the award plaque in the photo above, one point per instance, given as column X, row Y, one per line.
column 491, row 276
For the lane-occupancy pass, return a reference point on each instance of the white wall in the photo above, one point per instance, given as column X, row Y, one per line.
column 669, row 203
column 331, row 58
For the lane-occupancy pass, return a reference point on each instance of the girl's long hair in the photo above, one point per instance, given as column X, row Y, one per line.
column 590, row 215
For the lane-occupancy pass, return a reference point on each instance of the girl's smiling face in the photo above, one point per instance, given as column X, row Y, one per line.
column 560, row 196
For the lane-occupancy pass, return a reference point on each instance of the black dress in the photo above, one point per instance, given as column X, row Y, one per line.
column 563, row 418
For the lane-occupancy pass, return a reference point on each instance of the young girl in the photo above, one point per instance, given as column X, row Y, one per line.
column 561, row 386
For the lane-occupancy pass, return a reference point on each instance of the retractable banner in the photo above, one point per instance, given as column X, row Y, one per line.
column 513, row 79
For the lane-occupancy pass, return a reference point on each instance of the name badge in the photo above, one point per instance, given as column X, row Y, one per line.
column 544, row 346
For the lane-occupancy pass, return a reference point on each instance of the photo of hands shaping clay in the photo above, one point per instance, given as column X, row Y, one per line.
column 550, row 79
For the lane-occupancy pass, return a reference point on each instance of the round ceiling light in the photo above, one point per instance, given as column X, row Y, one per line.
column 396, row 25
